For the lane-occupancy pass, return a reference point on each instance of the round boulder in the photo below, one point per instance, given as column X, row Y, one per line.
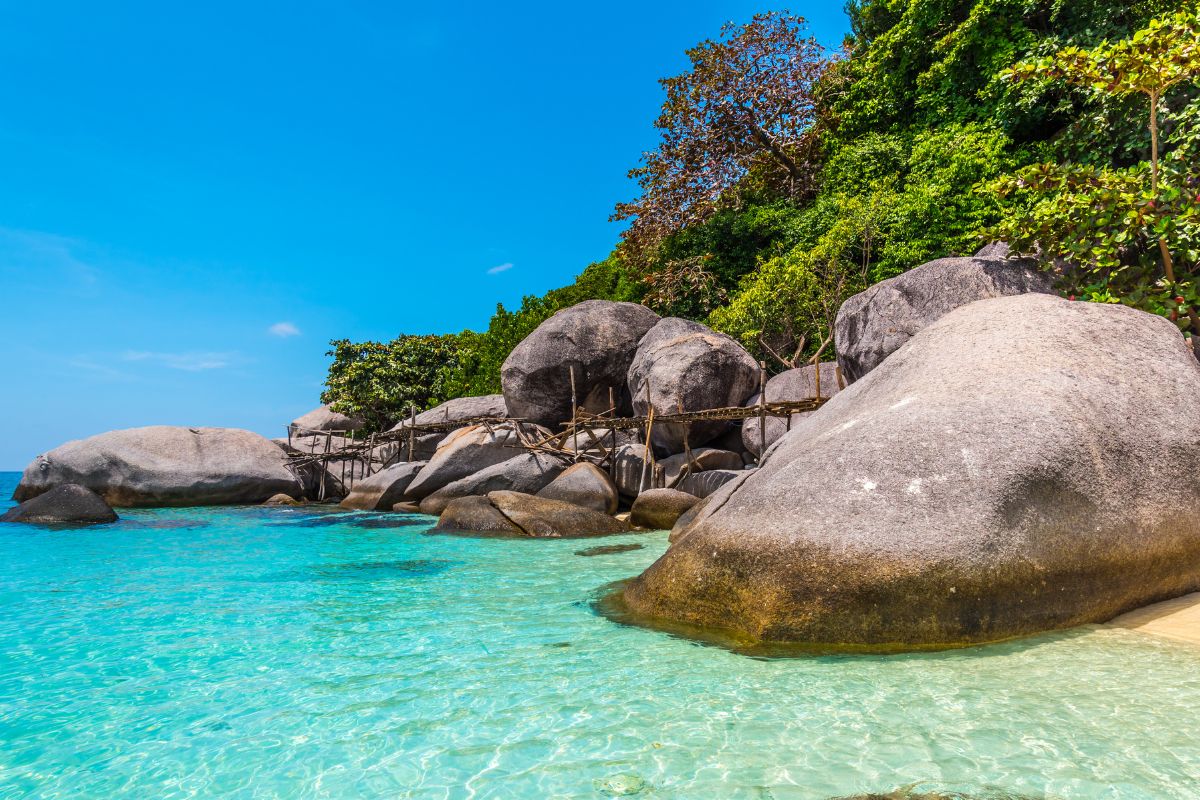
column 528, row 472
column 659, row 509
column 689, row 367
column 465, row 452
column 162, row 465
column 1022, row 464
column 586, row 485
column 68, row 503
column 873, row 324
column 382, row 490
column 326, row 419
column 597, row 339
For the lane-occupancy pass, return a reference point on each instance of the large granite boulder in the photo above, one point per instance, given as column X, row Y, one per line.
column 584, row 484
column 597, row 339
column 520, row 514
column 703, row 484
column 873, row 324
column 326, row 419
column 465, row 452
column 689, row 367
column 67, row 503
column 528, row 472
column 1022, row 464
column 382, row 490
column 658, row 509
column 790, row 386
column 163, row 465
column 631, row 474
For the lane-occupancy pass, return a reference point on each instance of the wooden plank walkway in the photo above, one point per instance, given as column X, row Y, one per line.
column 1177, row 619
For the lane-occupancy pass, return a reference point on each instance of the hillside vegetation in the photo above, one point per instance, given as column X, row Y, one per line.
column 789, row 178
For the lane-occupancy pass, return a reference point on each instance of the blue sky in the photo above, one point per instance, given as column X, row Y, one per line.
column 197, row 197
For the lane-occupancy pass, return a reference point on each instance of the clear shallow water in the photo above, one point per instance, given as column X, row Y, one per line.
column 294, row 654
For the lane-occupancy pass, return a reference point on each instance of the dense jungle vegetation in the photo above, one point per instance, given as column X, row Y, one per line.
column 789, row 178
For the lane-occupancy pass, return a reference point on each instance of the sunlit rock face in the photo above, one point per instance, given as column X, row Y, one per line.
column 1022, row 464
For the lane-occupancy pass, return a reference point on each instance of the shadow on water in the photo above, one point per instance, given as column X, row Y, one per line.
column 608, row 601
column 356, row 519
column 606, row 549
column 363, row 571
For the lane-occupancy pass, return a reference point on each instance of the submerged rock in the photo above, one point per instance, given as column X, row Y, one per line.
column 597, row 338
column 163, row 465
column 658, row 509
column 689, row 367
column 282, row 500
column 382, row 490
column 1020, row 465
column 873, row 324
column 790, row 386
column 67, row 503
column 584, row 485
column 528, row 472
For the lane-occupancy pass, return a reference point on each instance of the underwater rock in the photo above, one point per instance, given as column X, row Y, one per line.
column 659, row 509
column 382, row 490
column 689, row 367
column 597, row 338
column 875, row 323
column 163, row 465
column 584, row 484
column 282, row 500
column 1023, row 464
column 67, row 503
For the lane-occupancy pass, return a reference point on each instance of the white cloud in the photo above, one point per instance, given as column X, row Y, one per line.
column 496, row 270
column 189, row 362
column 283, row 330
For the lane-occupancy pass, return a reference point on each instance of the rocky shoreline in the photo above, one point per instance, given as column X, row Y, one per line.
column 1002, row 462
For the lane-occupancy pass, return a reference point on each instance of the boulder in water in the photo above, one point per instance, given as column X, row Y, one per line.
column 528, row 472
column 539, row 517
column 873, row 324
column 596, row 338
column 659, row 509
column 586, row 485
column 163, row 465
column 1022, row 464
column 382, row 490
column 67, row 503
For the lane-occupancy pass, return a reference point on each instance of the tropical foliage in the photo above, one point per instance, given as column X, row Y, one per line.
column 787, row 179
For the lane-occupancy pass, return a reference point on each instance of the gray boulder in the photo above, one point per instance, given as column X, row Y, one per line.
column 465, row 452
column 996, row 250
column 326, row 419
column 597, row 338
column 659, row 509
column 282, row 500
column 1020, row 465
column 703, row 459
column 540, row 517
column 474, row 515
column 873, row 324
column 790, row 386
column 689, row 367
column 528, row 472
column 68, row 503
column 630, row 465
column 459, row 409
column 586, row 485
column 382, row 490
column 519, row 514
column 702, row 484
column 163, row 465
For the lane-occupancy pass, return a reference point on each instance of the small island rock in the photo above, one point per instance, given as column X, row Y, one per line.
column 67, row 503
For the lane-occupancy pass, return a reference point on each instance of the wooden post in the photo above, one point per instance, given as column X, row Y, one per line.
column 412, row 429
column 762, row 409
column 818, row 374
column 325, row 467
column 837, row 370
column 649, row 457
column 574, row 420
column 289, row 437
column 612, row 430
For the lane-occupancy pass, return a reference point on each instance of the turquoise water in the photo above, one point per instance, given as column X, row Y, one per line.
column 289, row 653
